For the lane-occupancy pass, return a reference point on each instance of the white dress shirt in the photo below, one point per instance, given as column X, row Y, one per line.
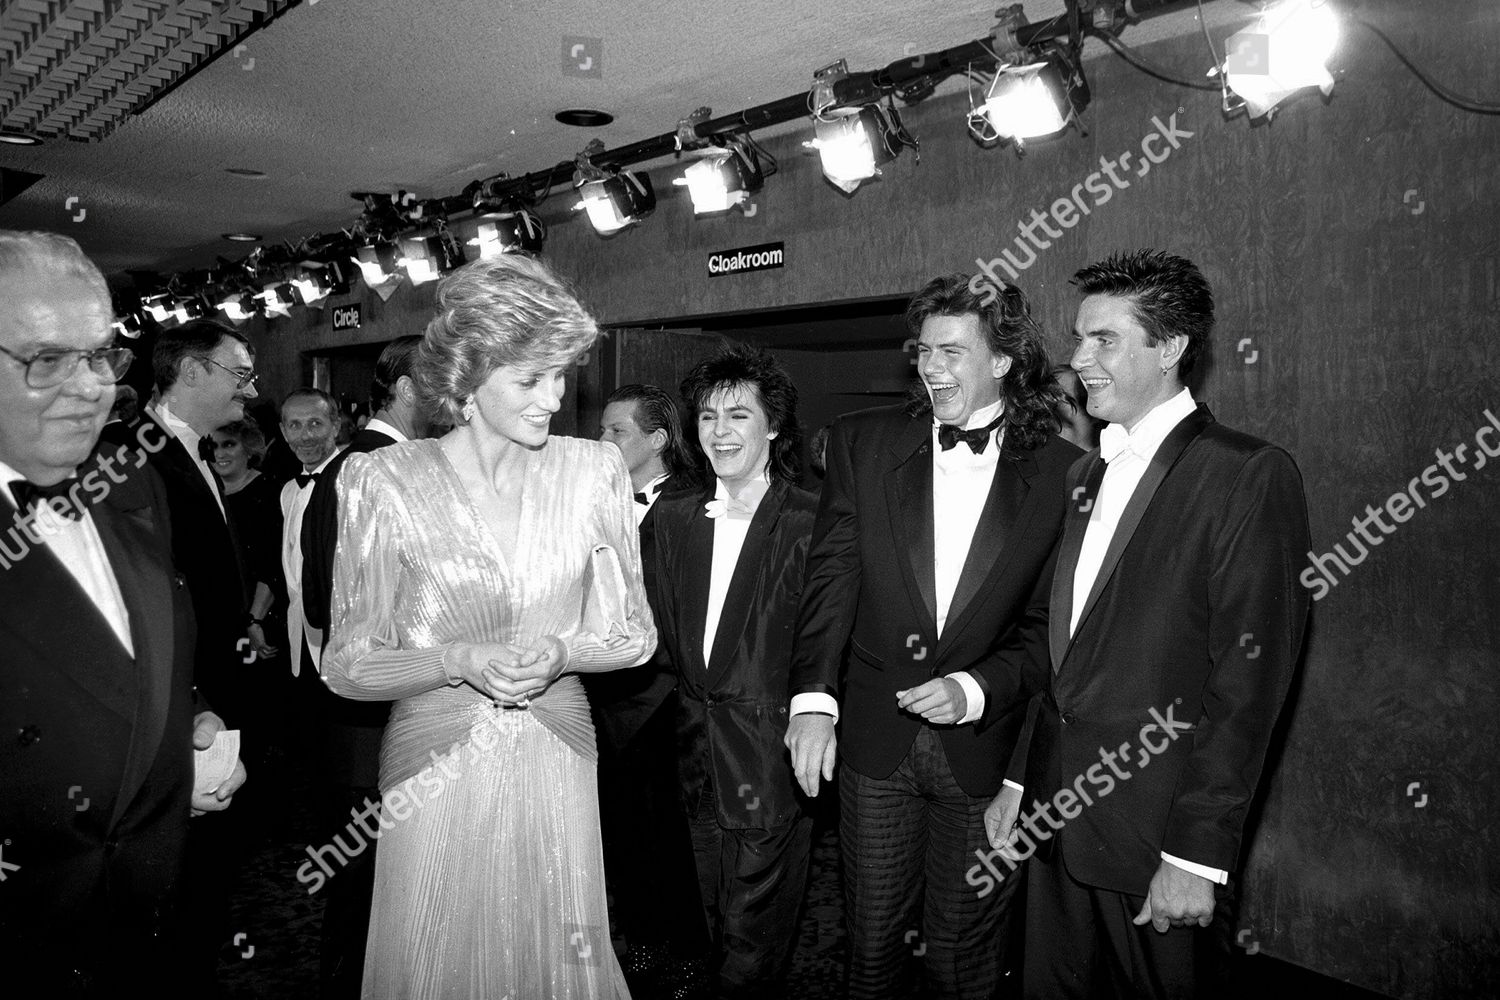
column 77, row 545
column 1129, row 455
column 961, row 483
column 651, row 491
column 294, row 500
column 381, row 427
column 189, row 438
column 729, row 539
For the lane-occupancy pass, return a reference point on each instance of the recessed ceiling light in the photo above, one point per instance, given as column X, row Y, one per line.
column 246, row 173
column 584, row 117
column 242, row 237
column 19, row 139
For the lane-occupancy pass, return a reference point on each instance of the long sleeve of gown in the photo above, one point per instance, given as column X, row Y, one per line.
column 631, row 642
column 364, row 659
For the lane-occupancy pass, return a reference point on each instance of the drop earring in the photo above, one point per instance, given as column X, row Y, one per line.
column 469, row 409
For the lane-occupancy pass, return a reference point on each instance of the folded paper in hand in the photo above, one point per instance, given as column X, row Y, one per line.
column 212, row 767
column 604, row 611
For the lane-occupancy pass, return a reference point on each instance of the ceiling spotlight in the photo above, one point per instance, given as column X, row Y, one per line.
column 19, row 139
column 318, row 281
column 158, row 306
column 190, row 308
column 377, row 262
column 238, row 307
column 723, row 179
column 616, row 201
column 242, row 237
column 428, row 258
column 853, row 146
column 278, row 298
column 129, row 325
column 1031, row 101
column 584, row 117
column 519, row 231
column 1284, row 51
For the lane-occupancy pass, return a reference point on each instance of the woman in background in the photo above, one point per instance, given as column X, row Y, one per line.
column 464, row 569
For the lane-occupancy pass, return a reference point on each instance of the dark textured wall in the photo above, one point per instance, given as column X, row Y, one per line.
column 1353, row 249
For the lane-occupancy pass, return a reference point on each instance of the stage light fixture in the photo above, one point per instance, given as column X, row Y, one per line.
column 315, row 282
column 519, row 231
column 616, row 201
column 190, row 308
column 1286, row 50
column 377, row 262
column 278, row 298
column 158, row 306
column 853, row 146
column 723, row 179
column 1031, row 101
column 427, row 258
column 238, row 307
column 129, row 325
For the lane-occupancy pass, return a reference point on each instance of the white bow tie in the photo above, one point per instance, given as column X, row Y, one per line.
column 1114, row 441
column 737, row 510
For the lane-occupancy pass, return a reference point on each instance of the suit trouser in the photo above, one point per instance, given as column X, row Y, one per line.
column 908, row 842
column 1081, row 943
column 752, row 883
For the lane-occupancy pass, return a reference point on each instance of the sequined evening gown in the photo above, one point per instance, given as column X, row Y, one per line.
column 489, row 878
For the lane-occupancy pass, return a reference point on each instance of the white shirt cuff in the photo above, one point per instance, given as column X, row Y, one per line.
column 815, row 701
column 1011, row 784
column 1215, row 875
column 972, row 692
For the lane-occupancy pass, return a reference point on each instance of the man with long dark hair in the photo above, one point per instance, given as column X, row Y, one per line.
column 729, row 562
column 924, row 632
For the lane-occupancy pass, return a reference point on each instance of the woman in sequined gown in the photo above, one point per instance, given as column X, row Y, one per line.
column 465, row 572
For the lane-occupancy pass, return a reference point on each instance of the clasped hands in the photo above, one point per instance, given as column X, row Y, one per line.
column 512, row 674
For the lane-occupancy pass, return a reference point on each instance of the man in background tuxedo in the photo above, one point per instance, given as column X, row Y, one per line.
column 647, row 851
column 96, row 773
column 351, row 730
column 1176, row 623
column 729, row 562
column 927, row 580
column 204, row 375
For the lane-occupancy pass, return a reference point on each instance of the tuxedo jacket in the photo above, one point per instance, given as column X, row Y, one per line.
column 732, row 712
column 96, row 760
column 1196, row 615
column 206, row 551
column 868, row 626
column 320, row 531
column 623, row 700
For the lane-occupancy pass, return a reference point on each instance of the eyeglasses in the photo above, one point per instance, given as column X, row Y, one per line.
column 51, row 367
column 244, row 378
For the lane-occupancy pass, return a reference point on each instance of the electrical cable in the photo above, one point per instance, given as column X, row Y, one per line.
column 1457, row 100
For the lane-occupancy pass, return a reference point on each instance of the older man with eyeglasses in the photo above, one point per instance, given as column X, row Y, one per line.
column 96, row 695
column 204, row 375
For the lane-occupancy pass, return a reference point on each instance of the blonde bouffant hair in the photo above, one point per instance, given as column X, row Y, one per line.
column 507, row 311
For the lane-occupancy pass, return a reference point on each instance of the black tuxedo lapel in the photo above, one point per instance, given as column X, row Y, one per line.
column 1075, row 523
column 175, row 453
column 1166, row 456
column 996, row 526
column 42, row 602
column 696, row 569
column 909, row 494
column 742, row 585
column 125, row 529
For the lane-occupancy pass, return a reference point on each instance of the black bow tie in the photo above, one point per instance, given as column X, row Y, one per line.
column 29, row 496
column 976, row 439
column 640, row 498
column 206, row 449
column 303, row 478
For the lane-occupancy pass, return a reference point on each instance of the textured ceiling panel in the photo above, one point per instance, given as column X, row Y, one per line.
column 77, row 70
